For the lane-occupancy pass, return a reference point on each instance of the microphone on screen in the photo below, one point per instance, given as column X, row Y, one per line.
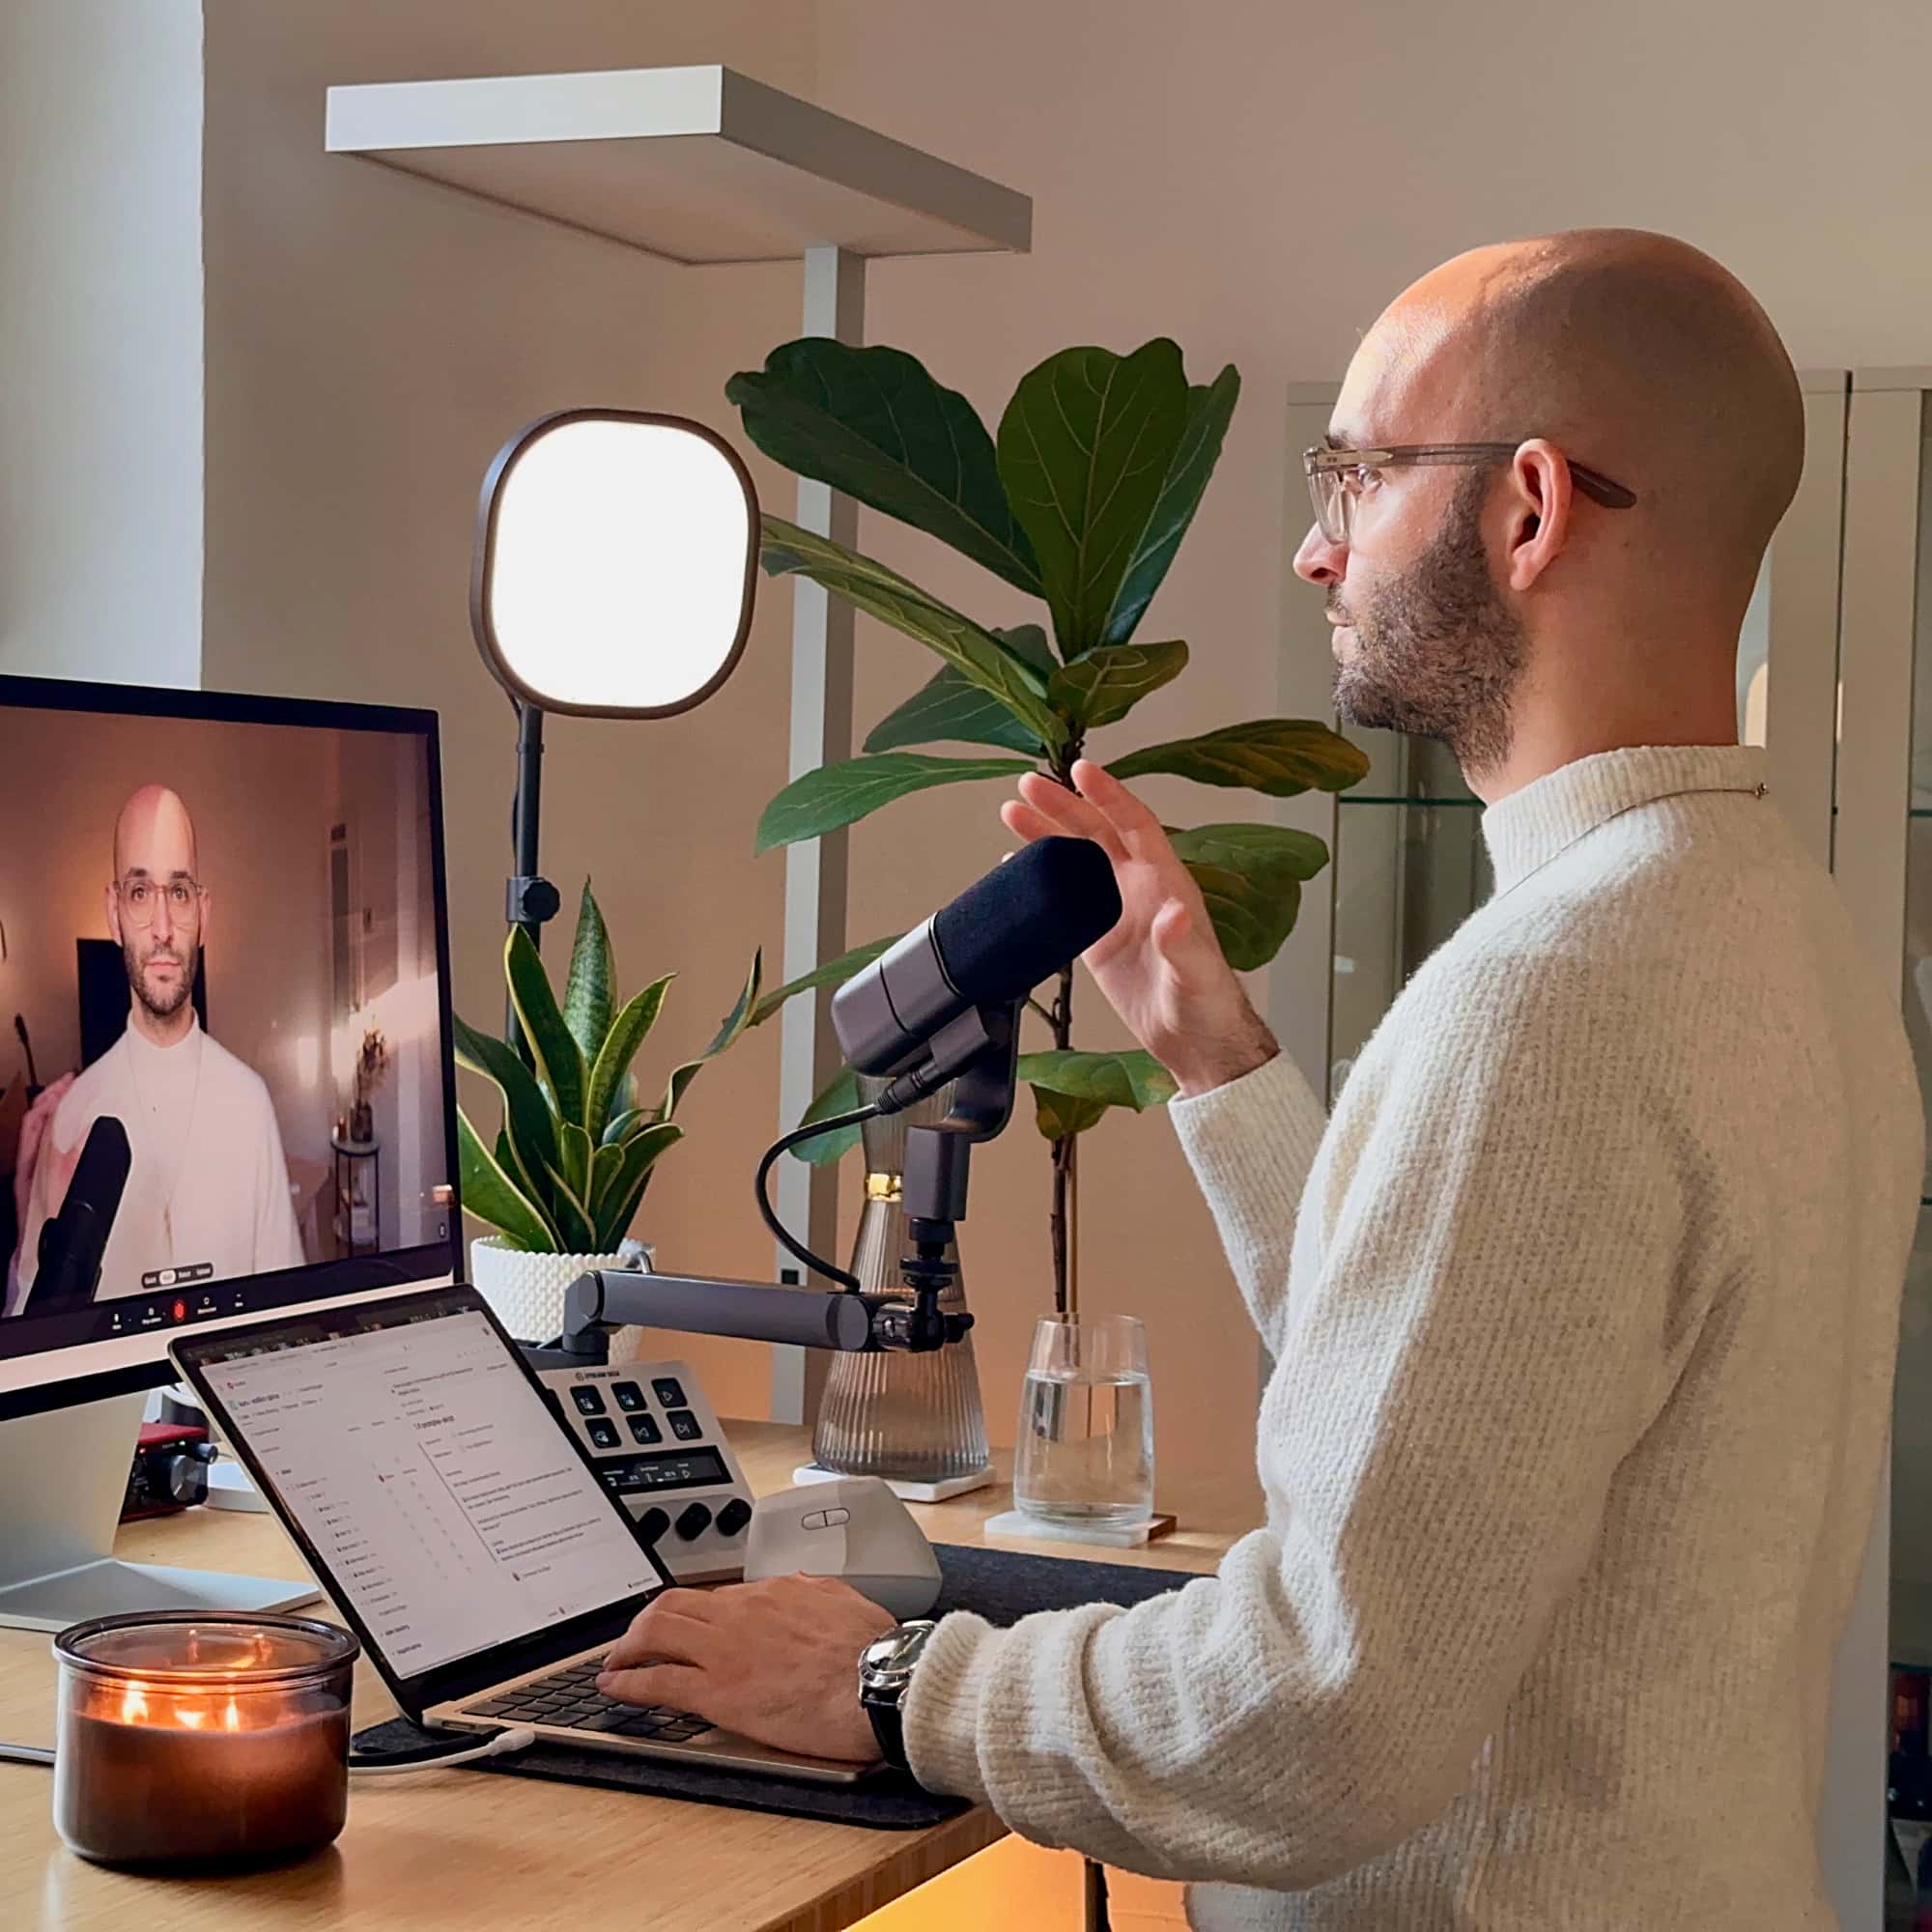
column 997, row 941
column 74, row 1242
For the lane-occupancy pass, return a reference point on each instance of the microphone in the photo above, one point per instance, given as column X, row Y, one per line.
column 74, row 1242
column 996, row 942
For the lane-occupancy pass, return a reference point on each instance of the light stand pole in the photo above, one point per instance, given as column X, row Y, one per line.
column 530, row 900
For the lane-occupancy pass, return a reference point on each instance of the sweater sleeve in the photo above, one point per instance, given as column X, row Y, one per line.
column 1495, row 1321
column 1251, row 1144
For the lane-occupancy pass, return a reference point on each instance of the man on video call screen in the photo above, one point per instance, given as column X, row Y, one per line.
column 208, row 1187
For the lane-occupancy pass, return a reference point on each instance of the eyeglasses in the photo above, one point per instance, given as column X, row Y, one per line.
column 139, row 899
column 1337, row 477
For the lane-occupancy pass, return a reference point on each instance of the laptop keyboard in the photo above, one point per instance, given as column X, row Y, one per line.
column 570, row 1698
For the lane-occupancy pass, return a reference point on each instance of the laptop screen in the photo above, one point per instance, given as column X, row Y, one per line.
column 419, row 1463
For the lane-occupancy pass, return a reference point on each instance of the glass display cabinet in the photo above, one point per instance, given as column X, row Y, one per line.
column 1883, row 860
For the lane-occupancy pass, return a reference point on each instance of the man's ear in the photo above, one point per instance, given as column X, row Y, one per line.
column 1539, row 500
column 113, row 898
column 207, row 910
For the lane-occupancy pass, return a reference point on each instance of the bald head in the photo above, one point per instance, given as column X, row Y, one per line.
column 1638, row 356
column 1516, row 610
column 154, row 835
column 158, row 909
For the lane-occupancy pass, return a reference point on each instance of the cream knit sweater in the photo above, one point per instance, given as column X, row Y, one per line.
column 1584, row 1306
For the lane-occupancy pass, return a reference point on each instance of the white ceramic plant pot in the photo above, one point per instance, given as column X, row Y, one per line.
column 527, row 1291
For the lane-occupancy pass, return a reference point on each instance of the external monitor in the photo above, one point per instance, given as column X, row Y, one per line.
column 224, row 929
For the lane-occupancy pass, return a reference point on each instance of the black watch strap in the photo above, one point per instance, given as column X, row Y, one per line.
column 885, row 1677
column 887, row 1726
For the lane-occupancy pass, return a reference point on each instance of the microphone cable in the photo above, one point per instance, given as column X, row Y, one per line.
column 761, row 1188
column 832, row 1125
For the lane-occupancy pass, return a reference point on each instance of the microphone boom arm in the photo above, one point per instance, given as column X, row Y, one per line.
column 980, row 1051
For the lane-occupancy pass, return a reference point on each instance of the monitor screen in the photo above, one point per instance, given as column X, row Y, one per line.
column 223, row 1013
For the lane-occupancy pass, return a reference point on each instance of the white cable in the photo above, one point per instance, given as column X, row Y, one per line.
column 499, row 1745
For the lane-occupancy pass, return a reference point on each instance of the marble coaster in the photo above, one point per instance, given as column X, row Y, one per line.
column 907, row 1492
column 1117, row 1536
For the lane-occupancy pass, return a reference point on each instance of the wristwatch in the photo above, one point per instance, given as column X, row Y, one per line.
column 885, row 1672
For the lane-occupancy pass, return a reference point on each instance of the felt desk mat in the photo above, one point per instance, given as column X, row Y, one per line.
column 1000, row 1585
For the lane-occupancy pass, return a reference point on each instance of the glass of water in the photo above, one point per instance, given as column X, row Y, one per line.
column 1085, row 1450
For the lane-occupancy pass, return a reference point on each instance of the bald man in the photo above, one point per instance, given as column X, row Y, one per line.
column 208, row 1190
column 1583, row 1303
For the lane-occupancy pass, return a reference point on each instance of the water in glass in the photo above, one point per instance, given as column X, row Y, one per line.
column 1086, row 1430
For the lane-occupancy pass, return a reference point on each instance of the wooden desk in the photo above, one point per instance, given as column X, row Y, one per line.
column 458, row 1850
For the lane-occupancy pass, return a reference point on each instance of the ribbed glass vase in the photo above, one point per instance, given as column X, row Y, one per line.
column 918, row 1418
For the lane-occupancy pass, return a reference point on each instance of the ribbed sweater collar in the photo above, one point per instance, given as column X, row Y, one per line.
column 1530, row 827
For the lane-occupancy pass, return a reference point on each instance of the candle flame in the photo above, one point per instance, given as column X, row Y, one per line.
column 141, row 1704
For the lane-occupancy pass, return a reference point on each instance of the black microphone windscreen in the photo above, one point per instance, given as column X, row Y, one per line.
column 74, row 1241
column 1026, row 918
column 102, row 1172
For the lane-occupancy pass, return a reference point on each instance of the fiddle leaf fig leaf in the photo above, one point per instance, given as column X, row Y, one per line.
column 1208, row 412
column 1252, row 914
column 840, row 1097
column 1280, row 756
column 1058, row 1116
column 1102, row 686
column 872, row 423
column 1254, row 848
column 1084, row 449
column 835, row 795
column 976, row 653
column 1134, row 1079
column 833, row 972
column 948, row 708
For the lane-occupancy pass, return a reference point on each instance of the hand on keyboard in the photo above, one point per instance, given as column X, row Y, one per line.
column 776, row 1660
column 568, row 1699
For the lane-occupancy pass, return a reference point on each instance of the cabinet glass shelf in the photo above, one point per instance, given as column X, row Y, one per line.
column 1359, row 798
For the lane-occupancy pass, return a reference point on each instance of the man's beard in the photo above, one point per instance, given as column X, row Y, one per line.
column 164, row 1006
column 1438, row 654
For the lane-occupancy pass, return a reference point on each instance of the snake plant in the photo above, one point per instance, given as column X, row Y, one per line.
column 576, row 1149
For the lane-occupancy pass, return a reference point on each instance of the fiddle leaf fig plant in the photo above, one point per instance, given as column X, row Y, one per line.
column 570, row 1165
column 1080, row 502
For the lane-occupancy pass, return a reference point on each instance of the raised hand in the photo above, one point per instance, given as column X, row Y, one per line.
column 1162, row 967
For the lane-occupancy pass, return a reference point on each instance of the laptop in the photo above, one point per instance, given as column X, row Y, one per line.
column 460, row 1529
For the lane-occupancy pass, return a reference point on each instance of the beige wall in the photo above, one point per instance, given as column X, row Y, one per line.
column 1255, row 180
column 101, row 339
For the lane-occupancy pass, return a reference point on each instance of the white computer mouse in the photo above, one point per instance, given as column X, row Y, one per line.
column 854, row 1529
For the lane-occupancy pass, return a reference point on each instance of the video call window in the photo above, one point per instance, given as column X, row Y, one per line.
column 223, row 936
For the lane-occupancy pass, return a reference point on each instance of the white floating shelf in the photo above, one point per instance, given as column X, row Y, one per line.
column 694, row 164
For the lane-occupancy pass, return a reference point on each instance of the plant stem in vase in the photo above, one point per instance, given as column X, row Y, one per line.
column 1065, row 1173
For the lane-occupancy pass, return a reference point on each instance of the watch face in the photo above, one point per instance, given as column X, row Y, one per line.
column 893, row 1654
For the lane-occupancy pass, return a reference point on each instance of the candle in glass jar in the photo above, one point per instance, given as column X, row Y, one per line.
column 237, row 1754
